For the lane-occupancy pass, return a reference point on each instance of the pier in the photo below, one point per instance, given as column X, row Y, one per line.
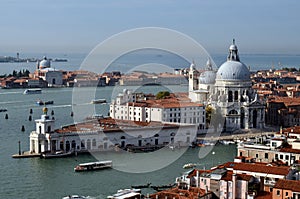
column 26, row 154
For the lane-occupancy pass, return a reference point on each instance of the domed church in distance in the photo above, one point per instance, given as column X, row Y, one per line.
column 228, row 90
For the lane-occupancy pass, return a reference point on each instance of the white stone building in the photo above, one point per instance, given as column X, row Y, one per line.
column 51, row 75
column 107, row 134
column 229, row 90
column 176, row 109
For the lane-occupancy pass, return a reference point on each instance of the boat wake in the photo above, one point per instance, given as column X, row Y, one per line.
column 8, row 93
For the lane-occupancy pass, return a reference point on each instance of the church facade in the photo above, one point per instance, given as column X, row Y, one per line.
column 228, row 91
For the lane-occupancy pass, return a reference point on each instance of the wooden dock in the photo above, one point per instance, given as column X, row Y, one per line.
column 26, row 154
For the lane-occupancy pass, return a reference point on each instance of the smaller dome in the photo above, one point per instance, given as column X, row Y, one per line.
column 207, row 77
column 233, row 47
column 45, row 63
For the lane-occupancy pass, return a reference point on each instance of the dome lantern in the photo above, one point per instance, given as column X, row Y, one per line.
column 233, row 52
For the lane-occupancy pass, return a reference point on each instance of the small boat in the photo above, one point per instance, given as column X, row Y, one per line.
column 74, row 197
column 126, row 194
column 33, row 91
column 226, row 142
column 98, row 101
column 162, row 187
column 40, row 102
column 91, row 166
column 189, row 165
column 3, row 110
column 57, row 154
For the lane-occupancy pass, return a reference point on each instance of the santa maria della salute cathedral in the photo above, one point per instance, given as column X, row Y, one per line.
column 228, row 90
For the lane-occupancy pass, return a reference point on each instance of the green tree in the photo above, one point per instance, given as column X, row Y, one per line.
column 162, row 94
column 208, row 113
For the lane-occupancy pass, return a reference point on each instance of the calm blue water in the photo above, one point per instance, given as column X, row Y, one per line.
column 55, row 178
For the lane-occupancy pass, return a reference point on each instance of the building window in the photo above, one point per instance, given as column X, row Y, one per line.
column 266, row 155
column 281, row 157
column 287, row 157
column 256, row 155
column 286, row 193
column 229, row 96
column 94, row 143
column 278, row 192
column 236, row 95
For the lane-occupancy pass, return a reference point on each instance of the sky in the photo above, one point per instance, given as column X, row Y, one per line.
column 73, row 26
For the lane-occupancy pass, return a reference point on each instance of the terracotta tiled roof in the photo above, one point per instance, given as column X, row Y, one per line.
column 109, row 125
column 293, row 185
column 258, row 168
column 244, row 177
column 177, row 193
column 194, row 173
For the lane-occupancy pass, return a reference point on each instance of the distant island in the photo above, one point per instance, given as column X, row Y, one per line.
column 10, row 59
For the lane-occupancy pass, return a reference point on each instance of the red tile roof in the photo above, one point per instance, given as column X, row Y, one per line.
column 293, row 185
column 258, row 168
column 177, row 193
column 109, row 125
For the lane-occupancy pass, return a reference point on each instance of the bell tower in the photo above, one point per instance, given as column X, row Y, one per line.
column 192, row 78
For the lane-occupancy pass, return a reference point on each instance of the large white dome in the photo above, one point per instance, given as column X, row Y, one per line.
column 233, row 70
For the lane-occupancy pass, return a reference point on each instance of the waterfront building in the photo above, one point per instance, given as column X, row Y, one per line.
column 176, row 108
column 230, row 90
column 104, row 134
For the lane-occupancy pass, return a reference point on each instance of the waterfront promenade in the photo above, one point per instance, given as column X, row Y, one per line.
column 239, row 135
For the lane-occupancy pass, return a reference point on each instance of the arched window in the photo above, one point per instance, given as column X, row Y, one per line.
column 67, row 146
column 236, row 96
column 94, row 143
column 233, row 112
column 61, row 145
column 229, row 96
column 82, row 144
column 88, row 144
column 73, row 144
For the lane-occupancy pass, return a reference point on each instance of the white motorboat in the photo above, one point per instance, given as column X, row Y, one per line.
column 98, row 101
column 74, row 197
column 91, row 166
column 126, row 194
column 33, row 91
column 57, row 154
column 189, row 165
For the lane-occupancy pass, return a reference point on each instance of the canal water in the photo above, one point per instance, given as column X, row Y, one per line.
column 55, row 178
